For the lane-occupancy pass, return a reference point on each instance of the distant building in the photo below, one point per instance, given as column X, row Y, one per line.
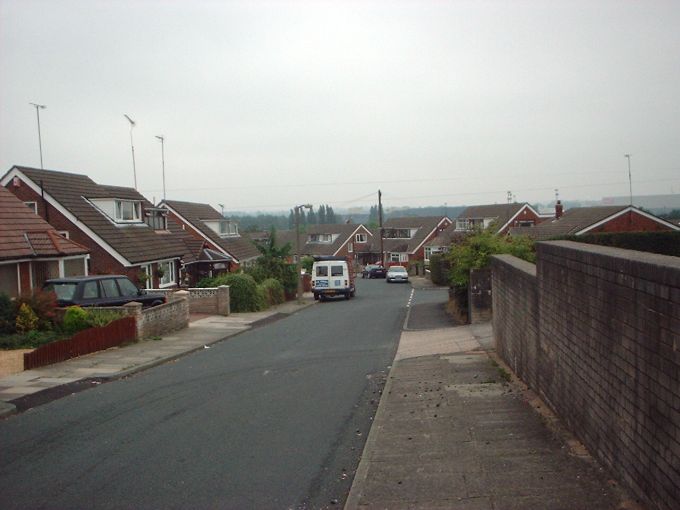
column 343, row 239
column 404, row 239
column 502, row 216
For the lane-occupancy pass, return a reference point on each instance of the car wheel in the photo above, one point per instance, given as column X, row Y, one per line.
column 316, row 297
column 322, row 297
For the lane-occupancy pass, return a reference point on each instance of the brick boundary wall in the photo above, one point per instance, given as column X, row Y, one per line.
column 596, row 333
column 161, row 319
column 212, row 300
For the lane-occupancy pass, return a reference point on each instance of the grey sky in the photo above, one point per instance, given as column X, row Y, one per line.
column 266, row 104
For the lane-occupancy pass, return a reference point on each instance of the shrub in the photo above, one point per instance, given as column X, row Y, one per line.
column 43, row 304
column 30, row 340
column 439, row 269
column 274, row 291
column 26, row 320
column 242, row 291
column 100, row 318
column 206, row 281
column 7, row 315
column 76, row 319
column 262, row 298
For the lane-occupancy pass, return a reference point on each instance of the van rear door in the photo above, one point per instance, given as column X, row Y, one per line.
column 339, row 277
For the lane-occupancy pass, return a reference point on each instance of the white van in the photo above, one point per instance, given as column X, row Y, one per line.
column 332, row 276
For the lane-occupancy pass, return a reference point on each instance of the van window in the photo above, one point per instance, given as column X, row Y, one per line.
column 336, row 270
column 321, row 270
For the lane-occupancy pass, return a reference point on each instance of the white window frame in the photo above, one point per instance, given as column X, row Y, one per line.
column 64, row 234
column 228, row 228
column 33, row 206
column 360, row 238
column 136, row 211
column 395, row 257
column 350, row 247
column 168, row 278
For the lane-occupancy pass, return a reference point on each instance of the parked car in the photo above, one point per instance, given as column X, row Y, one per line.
column 397, row 274
column 100, row 290
column 373, row 271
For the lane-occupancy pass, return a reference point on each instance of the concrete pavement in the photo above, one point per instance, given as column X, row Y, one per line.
column 26, row 388
column 454, row 430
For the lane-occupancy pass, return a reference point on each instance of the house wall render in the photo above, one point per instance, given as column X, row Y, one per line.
column 596, row 332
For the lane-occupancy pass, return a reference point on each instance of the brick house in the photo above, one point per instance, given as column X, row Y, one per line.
column 341, row 240
column 404, row 239
column 590, row 220
column 224, row 249
column 31, row 250
column 123, row 231
column 502, row 216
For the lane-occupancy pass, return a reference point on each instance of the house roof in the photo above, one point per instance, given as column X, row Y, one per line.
column 135, row 243
column 576, row 220
column 240, row 248
column 448, row 236
column 424, row 225
column 24, row 234
column 342, row 230
column 491, row 211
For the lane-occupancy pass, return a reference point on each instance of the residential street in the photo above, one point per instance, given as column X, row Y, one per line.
column 273, row 418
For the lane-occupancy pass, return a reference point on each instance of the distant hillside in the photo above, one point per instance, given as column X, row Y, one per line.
column 440, row 210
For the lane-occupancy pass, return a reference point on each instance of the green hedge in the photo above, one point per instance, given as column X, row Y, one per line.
column 274, row 292
column 439, row 269
column 243, row 293
column 664, row 243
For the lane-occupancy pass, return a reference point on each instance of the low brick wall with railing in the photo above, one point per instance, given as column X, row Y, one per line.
column 162, row 319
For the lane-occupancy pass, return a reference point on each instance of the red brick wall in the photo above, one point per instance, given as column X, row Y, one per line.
column 631, row 222
column 25, row 277
column 420, row 253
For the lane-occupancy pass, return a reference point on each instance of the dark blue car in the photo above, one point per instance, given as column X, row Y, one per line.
column 100, row 290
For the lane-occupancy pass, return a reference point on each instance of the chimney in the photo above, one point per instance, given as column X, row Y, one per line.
column 559, row 209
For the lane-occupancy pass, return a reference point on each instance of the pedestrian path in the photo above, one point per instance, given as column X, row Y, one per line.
column 452, row 432
column 121, row 361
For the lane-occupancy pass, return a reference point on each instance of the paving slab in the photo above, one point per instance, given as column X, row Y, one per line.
column 451, row 432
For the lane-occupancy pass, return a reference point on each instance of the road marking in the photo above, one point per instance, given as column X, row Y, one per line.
column 408, row 310
column 410, row 298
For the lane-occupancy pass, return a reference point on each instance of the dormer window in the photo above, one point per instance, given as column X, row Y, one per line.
column 156, row 217
column 398, row 233
column 320, row 238
column 128, row 211
column 228, row 228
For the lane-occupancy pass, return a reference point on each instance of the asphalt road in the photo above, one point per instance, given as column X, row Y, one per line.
column 273, row 418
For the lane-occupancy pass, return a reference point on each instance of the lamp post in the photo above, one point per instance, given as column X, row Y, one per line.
column 132, row 145
column 39, row 107
column 630, row 180
column 298, row 266
column 162, row 139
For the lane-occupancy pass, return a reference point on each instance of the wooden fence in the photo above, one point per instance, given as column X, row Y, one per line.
column 84, row 342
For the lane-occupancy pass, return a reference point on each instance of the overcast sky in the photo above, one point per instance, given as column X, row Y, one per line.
column 265, row 105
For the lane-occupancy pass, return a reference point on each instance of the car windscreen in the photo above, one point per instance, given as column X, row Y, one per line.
column 127, row 288
column 397, row 270
column 336, row 270
column 64, row 291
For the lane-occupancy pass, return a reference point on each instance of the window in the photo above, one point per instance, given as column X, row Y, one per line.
column 128, row 210
column 109, row 288
column 320, row 238
column 168, row 270
column 228, row 228
column 33, row 206
column 350, row 247
column 463, row 225
column 64, row 234
column 336, row 270
column 397, row 233
column 394, row 257
column 156, row 218
column 90, row 290
column 321, row 270
column 360, row 238
column 127, row 288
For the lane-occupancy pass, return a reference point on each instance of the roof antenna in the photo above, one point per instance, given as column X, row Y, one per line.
column 134, row 168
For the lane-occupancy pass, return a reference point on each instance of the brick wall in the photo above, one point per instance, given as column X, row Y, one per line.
column 162, row 319
column 213, row 300
column 631, row 222
column 597, row 334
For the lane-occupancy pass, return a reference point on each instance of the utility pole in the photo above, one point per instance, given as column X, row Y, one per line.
column 39, row 107
column 132, row 144
column 298, row 266
column 630, row 180
column 382, row 230
column 162, row 139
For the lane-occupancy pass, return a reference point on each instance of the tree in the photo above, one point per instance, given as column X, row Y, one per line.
column 311, row 217
column 330, row 215
column 291, row 220
column 322, row 215
column 373, row 215
column 476, row 250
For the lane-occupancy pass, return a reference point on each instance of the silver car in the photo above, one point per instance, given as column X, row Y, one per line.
column 397, row 274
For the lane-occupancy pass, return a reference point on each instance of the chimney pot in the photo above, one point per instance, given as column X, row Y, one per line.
column 559, row 209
